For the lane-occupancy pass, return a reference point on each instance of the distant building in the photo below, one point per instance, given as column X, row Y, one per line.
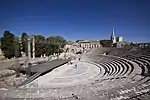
column 119, row 39
column 70, row 47
column 117, row 42
column 89, row 44
column 113, row 38
column 143, row 45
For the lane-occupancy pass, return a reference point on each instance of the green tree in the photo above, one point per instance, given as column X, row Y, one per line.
column 17, row 53
column 105, row 43
column 50, row 46
column 61, row 41
column 55, row 45
column 24, row 43
column 40, row 45
column 48, row 49
column 7, row 44
column 57, row 40
column 17, row 47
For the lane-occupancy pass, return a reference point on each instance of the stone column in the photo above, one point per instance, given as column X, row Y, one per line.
column 33, row 49
column 29, row 48
column 29, row 58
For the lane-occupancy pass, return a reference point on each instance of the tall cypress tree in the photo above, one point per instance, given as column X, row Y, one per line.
column 7, row 44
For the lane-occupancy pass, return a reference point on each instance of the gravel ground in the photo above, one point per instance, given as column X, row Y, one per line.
column 11, row 81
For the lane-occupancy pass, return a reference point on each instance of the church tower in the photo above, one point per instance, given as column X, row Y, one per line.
column 113, row 38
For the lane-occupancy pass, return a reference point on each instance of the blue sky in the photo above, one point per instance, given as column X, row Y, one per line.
column 77, row 19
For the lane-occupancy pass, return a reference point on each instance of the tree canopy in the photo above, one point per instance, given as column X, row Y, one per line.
column 12, row 46
column 105, row 43
column 24, row 43
column 40, row 45
column 54, row 44
column 17, row 47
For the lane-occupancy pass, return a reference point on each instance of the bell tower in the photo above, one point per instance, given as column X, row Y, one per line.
column 113, row 38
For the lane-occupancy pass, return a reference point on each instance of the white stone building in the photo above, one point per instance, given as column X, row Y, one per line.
column 88, row 44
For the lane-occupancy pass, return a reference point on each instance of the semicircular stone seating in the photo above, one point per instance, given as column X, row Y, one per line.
column 117, row 68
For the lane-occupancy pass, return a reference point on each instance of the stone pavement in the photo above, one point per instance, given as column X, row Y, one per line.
column 67, row 75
